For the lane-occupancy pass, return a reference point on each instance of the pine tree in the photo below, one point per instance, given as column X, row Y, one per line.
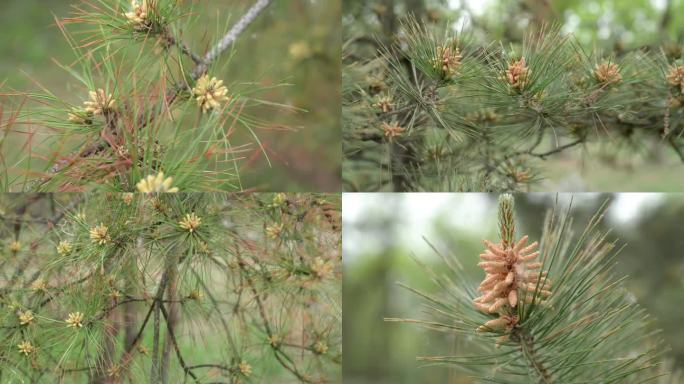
column 436, row 110
column 547, row 311
column 145, row 102
column 170, row 288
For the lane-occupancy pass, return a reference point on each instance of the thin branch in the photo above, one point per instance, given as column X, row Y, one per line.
column 171, row 320
column 230, row 37
column 542, row 155
column 155, row 376
column 217, row 366
column 267, row 327
column 169, row 327
column 127, row 355
column 201, row 66
column 560, row 148
column 526, row 341
column 215, row 307
column 172, row 40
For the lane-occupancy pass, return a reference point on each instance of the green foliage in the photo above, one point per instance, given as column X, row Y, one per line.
column 476, row 128
column 150, row 75
column 588, row 330
column 207, row 287
column 296, row 42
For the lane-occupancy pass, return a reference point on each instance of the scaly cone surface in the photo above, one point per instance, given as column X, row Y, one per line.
column 511, row 274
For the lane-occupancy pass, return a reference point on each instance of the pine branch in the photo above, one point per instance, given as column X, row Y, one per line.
column 229, row 38
column 171, row 320
column 119, row 262
column 201, row 66
column 558, row 149
column 267, row 325
column 480, row 110
column 128, row 353
column 172, row 40
column 170, row 324
column 156, row 373
column 526, row 341
column 559, row 314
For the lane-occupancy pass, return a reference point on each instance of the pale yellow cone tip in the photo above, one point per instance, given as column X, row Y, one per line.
column 156, row 184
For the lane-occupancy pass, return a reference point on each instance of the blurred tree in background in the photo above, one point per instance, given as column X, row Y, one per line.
column 380, row 243
column 295, row 43
column 620, row 149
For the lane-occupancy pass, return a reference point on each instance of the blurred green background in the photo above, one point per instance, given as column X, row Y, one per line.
column 616, row 164
column 382, row 232
column 295, row 42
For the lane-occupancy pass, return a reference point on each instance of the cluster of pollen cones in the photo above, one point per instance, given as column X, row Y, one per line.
column 448, row 60
column 518, row 73
column 511, row 272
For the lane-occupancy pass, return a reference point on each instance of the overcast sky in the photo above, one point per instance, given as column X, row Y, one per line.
column 471, row 211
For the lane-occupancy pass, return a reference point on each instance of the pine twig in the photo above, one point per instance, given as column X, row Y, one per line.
column 171, row 321
column 167, row 275
column 558, row 149
column 526, row 341
column 267, row 327
column 170, row 324
column 172, row 40
column 230, row 37
column 201, row 66
column 154, row 374
column 586, row 329
column 129, row 349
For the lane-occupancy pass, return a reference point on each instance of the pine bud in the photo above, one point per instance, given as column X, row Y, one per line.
column 448, row 60
column 15, row 247
column 39, row 286
column 322, row 269
column 518, row 74
column 75, row 320
column 99, row 235
column 384, row 103
column 156, row 183
column 99, row 103
column 320, row 348
column 26, row 348
column 127, row 198
column 209, row 93
column 506, row 220
column 607, row 73
column 392, row 130
column 274, row 230
column 508, row 279
column 190, row 222
column 245, row 368
column 63, row 248
column 25, row 317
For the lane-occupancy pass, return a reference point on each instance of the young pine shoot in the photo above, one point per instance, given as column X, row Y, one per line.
column 546, row 311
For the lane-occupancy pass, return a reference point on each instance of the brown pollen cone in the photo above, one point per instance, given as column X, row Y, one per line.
column 510, row 272
column 448, row 60
column 392, row 131
column 675, row 77
column 518, row 73
column 607, row 73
